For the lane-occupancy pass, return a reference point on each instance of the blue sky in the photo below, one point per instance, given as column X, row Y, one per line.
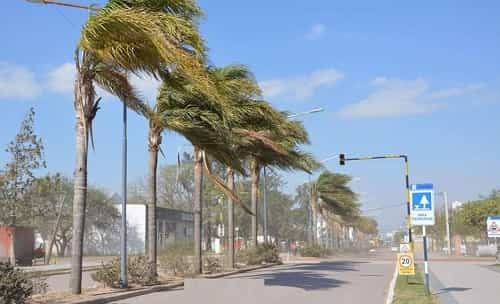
column 419, row 78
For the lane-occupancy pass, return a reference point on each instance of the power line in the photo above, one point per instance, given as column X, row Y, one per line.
column 385, row 207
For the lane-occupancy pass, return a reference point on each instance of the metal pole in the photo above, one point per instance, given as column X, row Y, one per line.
column 123, row 239
column 407, row 182
column 448, row 238
column 264, row 202
column 426, row 263
column 498, row 250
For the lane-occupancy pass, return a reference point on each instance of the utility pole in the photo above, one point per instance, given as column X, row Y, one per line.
column 447, row 218
column 123, row 234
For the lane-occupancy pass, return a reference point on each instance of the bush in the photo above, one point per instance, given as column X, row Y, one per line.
column 15, row 286
column 262, row 253
column 313, row 250
column 174, row 259
column 137, row 270
column 212, row 264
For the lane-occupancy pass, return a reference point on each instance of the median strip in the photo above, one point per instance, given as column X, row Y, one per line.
column 411, row 290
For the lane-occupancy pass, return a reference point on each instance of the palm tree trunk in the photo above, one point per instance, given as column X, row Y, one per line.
column 255, row 172
column 154, row 144
column 79, row 200
column 230, row 219
column 197, row 209
column 314, row 209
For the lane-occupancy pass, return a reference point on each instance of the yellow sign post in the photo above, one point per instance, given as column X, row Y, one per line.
column 406, row 264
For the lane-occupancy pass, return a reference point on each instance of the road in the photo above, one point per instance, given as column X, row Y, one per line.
column 346, row 280
column 465, row 282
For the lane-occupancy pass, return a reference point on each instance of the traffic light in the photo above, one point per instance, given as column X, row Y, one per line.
column 342, row 159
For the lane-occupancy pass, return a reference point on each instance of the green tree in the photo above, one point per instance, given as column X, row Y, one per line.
column 470, row 219
column 26, row 156
column 366, row 225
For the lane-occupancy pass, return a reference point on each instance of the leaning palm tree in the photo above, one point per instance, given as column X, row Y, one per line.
column 339, row 202
column 217, row 129
column 199, row 119
column 146, row 36
column 287, row 135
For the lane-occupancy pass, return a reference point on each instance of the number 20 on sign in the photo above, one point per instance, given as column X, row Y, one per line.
column 406, row 265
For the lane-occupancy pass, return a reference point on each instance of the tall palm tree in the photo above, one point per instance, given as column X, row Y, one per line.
column 199, row 119
column 287, row 135
column 220, row 130
column 126, row 36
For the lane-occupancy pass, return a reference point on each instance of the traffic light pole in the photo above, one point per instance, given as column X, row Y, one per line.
column 343, row 159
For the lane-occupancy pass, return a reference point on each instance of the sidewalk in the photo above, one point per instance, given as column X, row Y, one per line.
column 465, row 282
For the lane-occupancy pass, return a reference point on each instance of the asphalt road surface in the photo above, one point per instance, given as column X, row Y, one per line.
column 346, row 280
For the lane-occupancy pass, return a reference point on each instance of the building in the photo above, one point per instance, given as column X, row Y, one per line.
column 172, row 225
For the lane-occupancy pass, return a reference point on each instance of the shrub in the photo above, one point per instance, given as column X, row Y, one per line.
column 262, row 253
column 174, row 259
column 137, row 270
column 313, row 250
column 212, row 264
column 15, row 286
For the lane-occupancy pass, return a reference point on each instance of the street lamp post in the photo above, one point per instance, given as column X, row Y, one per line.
column 448, row 238
column 67, row 4
column 264, row 185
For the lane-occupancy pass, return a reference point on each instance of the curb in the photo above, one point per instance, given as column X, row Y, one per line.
column 392, row 285
column 225, row 274
column 103, row 299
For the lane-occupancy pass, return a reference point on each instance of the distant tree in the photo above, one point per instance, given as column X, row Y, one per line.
column 175, row 185
column 366, row 225
column 26, row 151
column 398, row 236
column 470, row 219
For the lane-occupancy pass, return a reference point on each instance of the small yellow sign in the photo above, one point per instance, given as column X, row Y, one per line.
column 406, row 264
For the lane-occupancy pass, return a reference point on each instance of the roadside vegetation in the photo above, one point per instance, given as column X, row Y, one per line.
column 411, row 290
column 234, row 135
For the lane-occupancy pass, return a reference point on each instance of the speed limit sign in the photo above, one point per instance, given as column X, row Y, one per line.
column 406, row 265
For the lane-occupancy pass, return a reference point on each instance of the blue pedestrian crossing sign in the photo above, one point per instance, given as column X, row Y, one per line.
column 422, row 204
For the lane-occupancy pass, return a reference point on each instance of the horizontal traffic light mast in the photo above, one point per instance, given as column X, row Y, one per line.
column 343, row 159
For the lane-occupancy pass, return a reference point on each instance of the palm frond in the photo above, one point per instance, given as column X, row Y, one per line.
column 117, row 82
column 223, row 187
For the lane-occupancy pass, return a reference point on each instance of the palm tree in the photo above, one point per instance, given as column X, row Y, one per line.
column 286, row 135
column 199, row 119
column 339, row 201
column 218, row 129
column 126, row 36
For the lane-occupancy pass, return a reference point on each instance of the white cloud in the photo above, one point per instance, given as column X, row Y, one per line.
column 301, row 87
column 17, row 82
column 458, row 91
column 62, row 78
column 316, row 32
column 395, row 97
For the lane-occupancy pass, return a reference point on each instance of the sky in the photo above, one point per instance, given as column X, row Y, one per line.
column 419, row 78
